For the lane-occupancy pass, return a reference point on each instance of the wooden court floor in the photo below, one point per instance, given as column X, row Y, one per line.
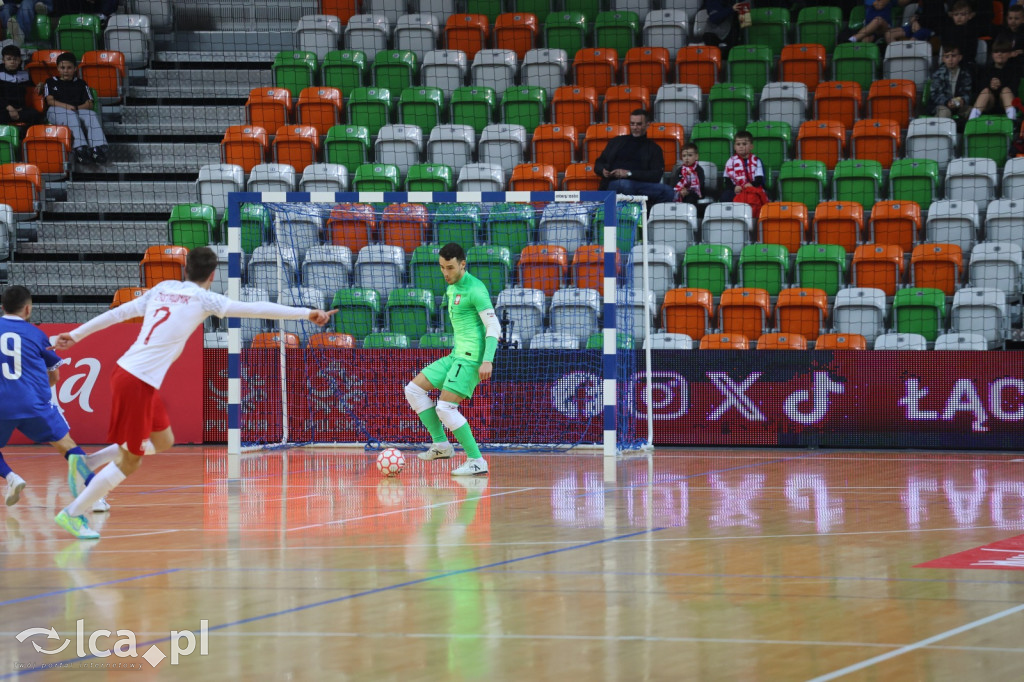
column 744, row 565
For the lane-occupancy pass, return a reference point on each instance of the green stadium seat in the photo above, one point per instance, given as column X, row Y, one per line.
column 750, row 64
column 919, row 311
column 255, row 219
column 857, row 180
column 988, row 137
column 344, row 69
column 10, row 144
column 769, row 26
column 385, row 340
column 772, row 140
column 492, row 265
column 376, row 177
column 421, row 107
column 623, row 341
column 802, row 181
column 410, row 311
column 395, row 70
column 42, row 32
column 627, row 231
column 914, row 180
column 357, row 311
column 459, row 223
column 538, row 8
column 473, row 106
column 819, row 26
column 708, row 266
column 424, row 271
column 369, row 107
column 430, row 177
column 857, row 15
column 732, row 103
column 489, row 8
column 79, row 33
column 588, row 8
column 348, row 146
column 511, row 225
column 617, row 30
column 714, row 141
column 821, row 266
column 524, row 105
column 567, row 31
column 857, row 62
column 191, row 225
column 764, row 266
column 294, row 71
column 437, row 340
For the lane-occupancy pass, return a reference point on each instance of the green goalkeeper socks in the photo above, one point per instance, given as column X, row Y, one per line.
column 465, row 437
column 429, row 419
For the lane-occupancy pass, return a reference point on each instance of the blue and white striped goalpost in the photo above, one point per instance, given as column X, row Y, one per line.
column 609, row 330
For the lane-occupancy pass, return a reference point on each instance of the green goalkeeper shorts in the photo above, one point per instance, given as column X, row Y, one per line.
column 453, row 374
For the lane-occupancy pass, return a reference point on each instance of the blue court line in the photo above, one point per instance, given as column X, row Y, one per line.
column 365, row 593
column 87, row 587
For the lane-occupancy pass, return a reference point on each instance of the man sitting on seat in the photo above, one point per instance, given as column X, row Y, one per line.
column 633, row 164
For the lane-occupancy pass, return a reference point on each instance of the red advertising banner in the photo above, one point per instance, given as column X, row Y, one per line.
column 83, row 391
column 1003, row 555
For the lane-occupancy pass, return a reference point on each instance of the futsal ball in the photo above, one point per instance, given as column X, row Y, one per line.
column 390, row 462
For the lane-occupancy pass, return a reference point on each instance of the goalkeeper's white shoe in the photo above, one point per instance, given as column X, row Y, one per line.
column 101, row 505
column 437, row 451
column 472, row 467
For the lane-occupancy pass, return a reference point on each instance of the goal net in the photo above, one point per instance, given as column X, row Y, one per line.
column 566, row 364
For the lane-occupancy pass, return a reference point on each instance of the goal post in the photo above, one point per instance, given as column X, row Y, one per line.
column 612, row 390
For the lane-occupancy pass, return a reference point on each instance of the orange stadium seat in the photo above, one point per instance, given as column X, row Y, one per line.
column 783, row 222
column 331, row 340
column 544, row 267
column 343, row 9
column 838, row 101
column 467, row 32
column 21, row 187
column 588, row 266
column 534, row 177
column 621, row 100
column 841, row 342
column 575, row 106
column 244, row 145
column 48, row 147
column 895, row 222
column 647, row 67
column 687, row 311
column 893, row 99
column 104, row 70
column 126, row 295
column 405, row 225
column 802, row 63
column 878, row 266
column 699, row 65
column 937, row 266
column 554, row 145
column 838, row 222
column 273, row 340
column 823, row 141
column 801, row 311
column 352, row 225
column 598, row 136
column 670, row 137
column 269, row 108
column 296, row 146
column 319, row 107
column 781, row 341
column 161, row 264
column 724, row 342
column 876, row 139
column 42, row 64
column 517, row 32
column 596, row 68
column 745, row 311
column 580, row 177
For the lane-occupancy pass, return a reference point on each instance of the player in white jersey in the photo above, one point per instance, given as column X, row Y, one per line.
column 171, row 312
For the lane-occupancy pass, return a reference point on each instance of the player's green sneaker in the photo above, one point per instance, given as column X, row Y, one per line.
column 78, row 472
column 76, row 525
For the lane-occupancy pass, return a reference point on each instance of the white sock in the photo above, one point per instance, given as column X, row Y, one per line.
column 101, row 457
column 975, row 113
column 1011, row 113
column 102, row 483
column 853, row 39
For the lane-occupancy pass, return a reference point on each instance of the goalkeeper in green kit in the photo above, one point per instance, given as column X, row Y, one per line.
column 476, row 332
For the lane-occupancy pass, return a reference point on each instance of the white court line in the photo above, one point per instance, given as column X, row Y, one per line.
column 403, row 510
column 917, row 645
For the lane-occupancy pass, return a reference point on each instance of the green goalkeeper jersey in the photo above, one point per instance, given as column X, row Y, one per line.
column 467, row 298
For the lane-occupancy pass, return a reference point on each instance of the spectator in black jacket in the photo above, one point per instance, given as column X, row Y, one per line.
column 13, row 81
column 633, row 164
column 997, row 84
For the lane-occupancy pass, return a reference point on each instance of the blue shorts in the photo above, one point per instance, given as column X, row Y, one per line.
column 45, row 428
column 921, row 33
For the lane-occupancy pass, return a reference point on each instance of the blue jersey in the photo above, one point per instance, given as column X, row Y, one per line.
column 24, row 365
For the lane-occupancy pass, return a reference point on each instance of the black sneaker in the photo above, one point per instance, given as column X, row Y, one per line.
column 99, row 154
column 82, row 156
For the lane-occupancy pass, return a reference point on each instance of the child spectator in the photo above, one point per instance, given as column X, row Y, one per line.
column 997, row 84
column 689, row 180
column 13, row 81
column 1013, row 33
column 744, row 174
column 69, row 103
column 961, row 28
column 952, row 86
column 877, row 21
column 921, row 25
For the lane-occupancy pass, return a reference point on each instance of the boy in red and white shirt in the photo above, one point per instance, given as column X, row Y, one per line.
column 743, row 169
column 171, row 311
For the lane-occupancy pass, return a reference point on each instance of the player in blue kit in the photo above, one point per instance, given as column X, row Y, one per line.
column 27, row 370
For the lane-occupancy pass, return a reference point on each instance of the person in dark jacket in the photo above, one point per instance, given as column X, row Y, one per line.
column 633, row 164
column 13, row 81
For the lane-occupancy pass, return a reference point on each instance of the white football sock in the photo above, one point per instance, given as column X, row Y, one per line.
column 101, row 457
column 975, row 113
column 1011, row 113
column 102, row 483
